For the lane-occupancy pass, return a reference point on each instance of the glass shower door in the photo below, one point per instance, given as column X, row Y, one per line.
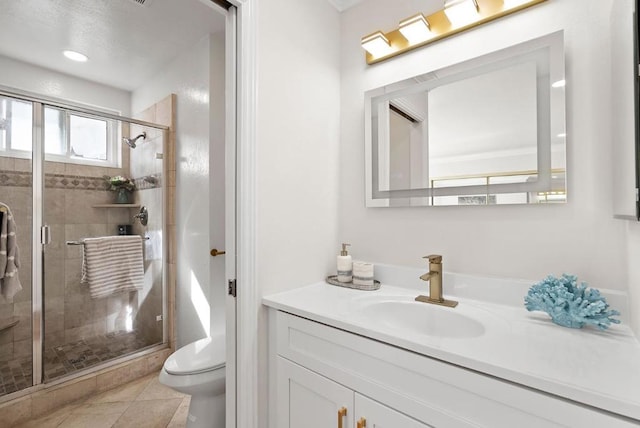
column 53, row 196
column 16, row 228
column 84, row 328
column 81, row 331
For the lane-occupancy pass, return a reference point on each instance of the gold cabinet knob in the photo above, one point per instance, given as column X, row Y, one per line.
column 215, row 252
column 362, row 423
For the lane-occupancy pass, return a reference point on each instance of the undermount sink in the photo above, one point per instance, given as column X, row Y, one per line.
column 423, row 318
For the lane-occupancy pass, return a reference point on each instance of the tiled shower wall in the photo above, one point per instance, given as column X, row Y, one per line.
column 71, row 191
column 147, row 168
column 70, row 312
column 145, row 163
column 15, row 191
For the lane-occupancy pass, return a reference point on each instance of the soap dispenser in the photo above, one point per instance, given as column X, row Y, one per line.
column 345, row 265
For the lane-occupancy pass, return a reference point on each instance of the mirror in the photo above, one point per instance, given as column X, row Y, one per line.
column 490, row 130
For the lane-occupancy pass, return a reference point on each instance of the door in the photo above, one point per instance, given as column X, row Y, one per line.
column 371, row 414
column 18, row 189
column 230, row 212
column 306, row 399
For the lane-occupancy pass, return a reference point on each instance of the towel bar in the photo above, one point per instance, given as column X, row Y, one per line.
column 146, row 238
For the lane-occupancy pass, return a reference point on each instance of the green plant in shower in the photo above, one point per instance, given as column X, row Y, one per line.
column 119, row 182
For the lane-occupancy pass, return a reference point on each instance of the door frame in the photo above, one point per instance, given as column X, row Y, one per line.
column 231, row 259
column 242, row 396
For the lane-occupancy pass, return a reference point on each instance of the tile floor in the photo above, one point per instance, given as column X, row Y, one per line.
column 142, row 403
column 88, row 352
column 15, row 375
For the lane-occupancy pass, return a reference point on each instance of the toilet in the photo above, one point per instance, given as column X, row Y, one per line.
column 198, row 369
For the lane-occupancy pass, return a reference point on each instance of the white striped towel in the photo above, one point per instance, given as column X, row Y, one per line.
column 112, row 264
column 9, row 255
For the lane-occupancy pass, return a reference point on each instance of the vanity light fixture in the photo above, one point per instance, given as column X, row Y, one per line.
column 461, row 12
column 508, row 4
column 376, row 44
column 75, row 56
column 420, row 30
column 415, row 29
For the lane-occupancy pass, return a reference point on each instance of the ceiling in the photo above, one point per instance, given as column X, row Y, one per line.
column 126, row 42
column 342, row 5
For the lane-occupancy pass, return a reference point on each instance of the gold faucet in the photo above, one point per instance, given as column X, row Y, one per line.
column 434, row 276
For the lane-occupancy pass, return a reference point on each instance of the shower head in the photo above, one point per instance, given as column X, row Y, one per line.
column 131, row 142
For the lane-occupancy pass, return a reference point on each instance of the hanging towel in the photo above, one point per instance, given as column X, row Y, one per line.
column 112, row 264
column 9, row 255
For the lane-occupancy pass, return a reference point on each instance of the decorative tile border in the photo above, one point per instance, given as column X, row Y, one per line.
column 66, row 181
column 15, row 179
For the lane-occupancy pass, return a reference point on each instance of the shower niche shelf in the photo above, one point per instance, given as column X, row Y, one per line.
column 116, row 206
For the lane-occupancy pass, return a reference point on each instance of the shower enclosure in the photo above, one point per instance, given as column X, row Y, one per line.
column 55, row 165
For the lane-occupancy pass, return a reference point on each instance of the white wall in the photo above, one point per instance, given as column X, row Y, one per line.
column 633, row 260
column 217, row 175
column 27, row 77
column 528, row 242
column 298, row 141
column 298, row 118
column 199, row 299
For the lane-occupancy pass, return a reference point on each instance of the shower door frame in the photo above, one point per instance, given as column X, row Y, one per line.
column 39, row 236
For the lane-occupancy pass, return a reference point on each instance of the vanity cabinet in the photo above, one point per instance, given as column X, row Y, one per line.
column 316, row 370
column 310, row 400
column 313, row 401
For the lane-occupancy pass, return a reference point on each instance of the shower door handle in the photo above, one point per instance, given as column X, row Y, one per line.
column 45, row 235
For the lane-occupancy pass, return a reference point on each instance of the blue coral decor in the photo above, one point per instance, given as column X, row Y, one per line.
column 569, row 304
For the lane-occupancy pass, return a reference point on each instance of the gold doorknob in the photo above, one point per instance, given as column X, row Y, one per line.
column 215, row 252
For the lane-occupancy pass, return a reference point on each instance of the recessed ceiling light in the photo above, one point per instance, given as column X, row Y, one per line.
column 75, row 56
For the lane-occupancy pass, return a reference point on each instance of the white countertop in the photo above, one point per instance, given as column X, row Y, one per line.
column 598, row 368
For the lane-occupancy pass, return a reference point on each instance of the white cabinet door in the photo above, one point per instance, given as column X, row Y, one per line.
column 308, row 400
column 371, row 414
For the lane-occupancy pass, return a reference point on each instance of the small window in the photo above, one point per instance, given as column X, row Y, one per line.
column 69, row 137
column 88, row 137
column 16, row 124
column 77, row 138
column 54, row 132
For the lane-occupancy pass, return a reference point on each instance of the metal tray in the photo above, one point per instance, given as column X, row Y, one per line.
column 333, row 280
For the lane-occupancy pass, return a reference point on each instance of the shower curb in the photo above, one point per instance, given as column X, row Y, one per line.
column 52, row 397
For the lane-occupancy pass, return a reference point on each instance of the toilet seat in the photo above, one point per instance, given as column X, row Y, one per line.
column 201, row 356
